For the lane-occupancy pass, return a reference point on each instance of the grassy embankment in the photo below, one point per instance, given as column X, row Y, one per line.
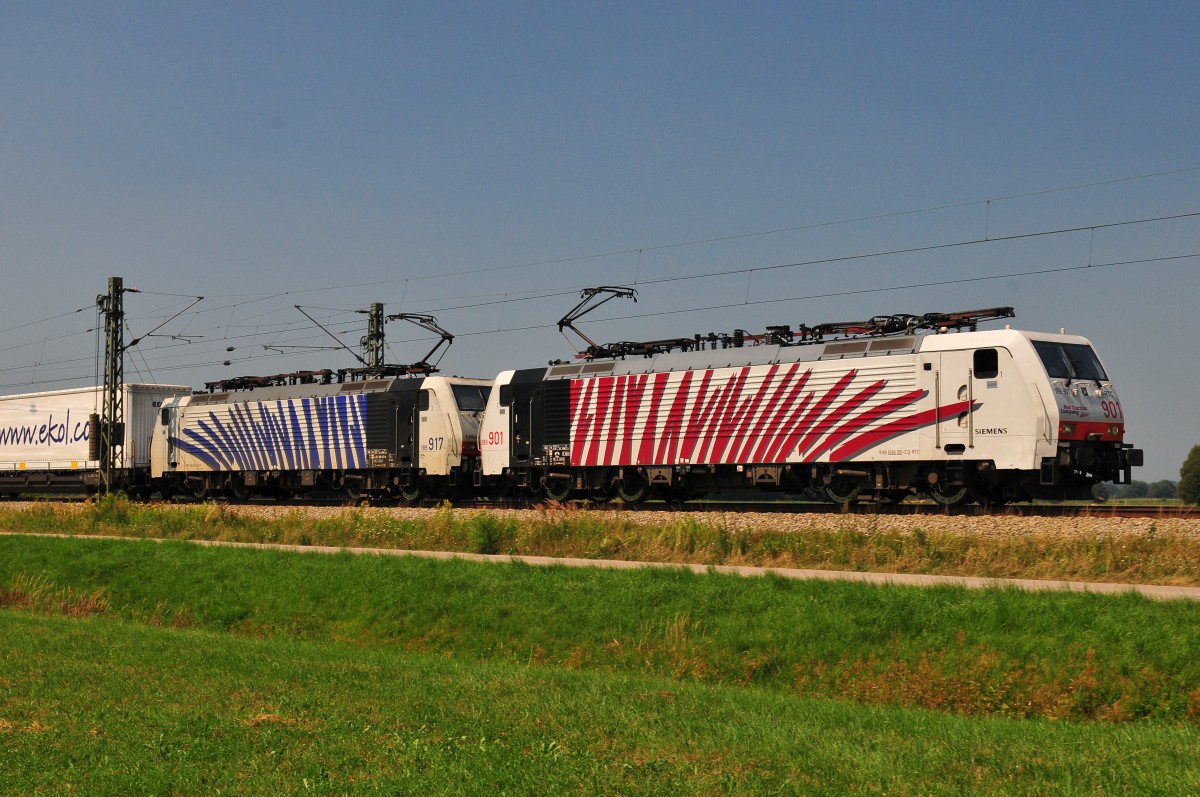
column 1073, row 656
column 150, row 668
column 96, row 707
column 1152, row 558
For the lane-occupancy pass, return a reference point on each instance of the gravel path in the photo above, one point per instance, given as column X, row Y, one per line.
column 1153, row 591
column 990, row 526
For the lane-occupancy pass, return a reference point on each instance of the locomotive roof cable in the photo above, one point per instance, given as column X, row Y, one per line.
column 45, row 320
column 509, row 297
column 937, row 283
column 982, row 278
column 335, row 337
column 812, row 226
column 735, row 236
column 197, row 322
column 809, row 297
column 48, row 338
column 1090, row 229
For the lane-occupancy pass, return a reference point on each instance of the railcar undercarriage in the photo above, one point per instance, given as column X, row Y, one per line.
column 946, row 483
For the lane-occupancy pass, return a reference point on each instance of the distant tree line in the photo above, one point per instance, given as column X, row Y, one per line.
column 1189, row 478
column 1163, row 489
column 1187, row 489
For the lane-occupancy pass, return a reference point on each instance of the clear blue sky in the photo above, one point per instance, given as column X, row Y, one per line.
column 272, row 154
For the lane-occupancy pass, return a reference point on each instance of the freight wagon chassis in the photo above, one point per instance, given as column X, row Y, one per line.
column 18, row 482
column 71, row 482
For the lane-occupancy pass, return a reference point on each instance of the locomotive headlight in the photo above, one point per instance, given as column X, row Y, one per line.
column 1066, row 428
column 1114, row 430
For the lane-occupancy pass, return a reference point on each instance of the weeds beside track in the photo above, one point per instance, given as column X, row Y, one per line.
column 1142, row 551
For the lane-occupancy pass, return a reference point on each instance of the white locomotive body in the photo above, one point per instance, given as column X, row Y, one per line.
column 394, row 437
column 995, row 415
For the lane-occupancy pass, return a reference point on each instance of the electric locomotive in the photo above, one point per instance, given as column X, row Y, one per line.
column 305, row 433
column 881, row 409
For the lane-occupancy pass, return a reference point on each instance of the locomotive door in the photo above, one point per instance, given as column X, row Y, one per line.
column 406, row 430
column 946, row 378
column 985, row 415
column 517, row 400
column 433, row 433
column 406, row 396
column 163, row 448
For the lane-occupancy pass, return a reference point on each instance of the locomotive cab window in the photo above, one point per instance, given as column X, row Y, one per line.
column 423, row 401
column 1070, row 360
column 471, row 398
column 986, row 364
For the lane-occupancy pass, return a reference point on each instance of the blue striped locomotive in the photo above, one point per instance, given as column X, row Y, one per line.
column 402, row 437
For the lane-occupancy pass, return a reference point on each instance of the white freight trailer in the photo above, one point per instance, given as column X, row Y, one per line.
column 45, row 438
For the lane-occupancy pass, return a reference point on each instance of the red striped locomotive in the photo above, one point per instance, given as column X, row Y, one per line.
column 886, row 408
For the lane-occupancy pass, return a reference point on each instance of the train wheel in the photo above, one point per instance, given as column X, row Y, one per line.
column 633, row 490
column 236, row 489
column 413, row 492
column 842, row 491
column 559, row 490
column 947, row 495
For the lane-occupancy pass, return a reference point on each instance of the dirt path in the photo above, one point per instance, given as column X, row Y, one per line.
column 1154, row 591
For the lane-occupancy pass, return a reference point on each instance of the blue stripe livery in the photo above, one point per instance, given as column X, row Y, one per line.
column 319, row 433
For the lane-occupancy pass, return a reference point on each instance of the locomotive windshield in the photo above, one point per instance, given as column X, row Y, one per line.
column 471, row 398
column 1070, row 360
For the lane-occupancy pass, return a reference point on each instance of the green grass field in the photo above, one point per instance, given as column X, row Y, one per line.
column 109, row 707
column 1007, row 652
column 141, row 667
